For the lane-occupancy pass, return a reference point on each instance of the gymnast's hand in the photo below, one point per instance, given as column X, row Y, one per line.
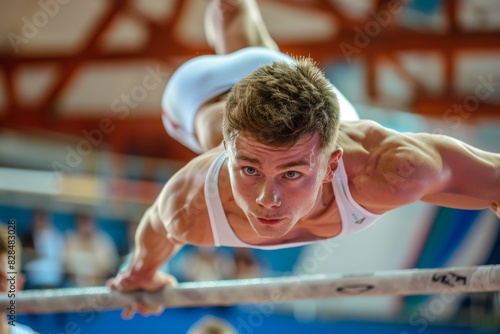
column 128, row 281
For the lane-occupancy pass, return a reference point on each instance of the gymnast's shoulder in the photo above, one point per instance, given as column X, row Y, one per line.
column 402, row 168
column 181, row 204
column 387, row 169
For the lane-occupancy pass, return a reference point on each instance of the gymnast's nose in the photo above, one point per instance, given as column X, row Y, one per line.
column 268, row 195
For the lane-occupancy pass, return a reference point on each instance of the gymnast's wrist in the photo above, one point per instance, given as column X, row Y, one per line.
column 139, row 266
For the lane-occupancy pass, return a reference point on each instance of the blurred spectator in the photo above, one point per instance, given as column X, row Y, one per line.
column 91, row 255
column 246, row 264
column 212, row 325
column 207, row 264
column 45, row 244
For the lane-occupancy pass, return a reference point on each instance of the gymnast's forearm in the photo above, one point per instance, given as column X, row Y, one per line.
column 152, row 246
column 473, row 174
column 477, row 174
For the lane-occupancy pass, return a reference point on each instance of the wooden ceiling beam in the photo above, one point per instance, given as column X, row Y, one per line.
column 144, row 134
column 454, row 111
column 10, row 88
column 403, row 72
column 371, row 77
column 395, row 42
column 162, row 40
column 72, row 64
column 451, row 13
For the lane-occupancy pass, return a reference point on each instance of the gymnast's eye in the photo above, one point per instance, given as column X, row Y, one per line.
column 249, row 170
column 292, row 175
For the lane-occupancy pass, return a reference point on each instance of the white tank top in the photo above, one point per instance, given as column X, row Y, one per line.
column 354, row 217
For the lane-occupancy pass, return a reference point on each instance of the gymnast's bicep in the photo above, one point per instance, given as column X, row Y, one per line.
column 471, row 176
column 181, row 204
column 407, row 170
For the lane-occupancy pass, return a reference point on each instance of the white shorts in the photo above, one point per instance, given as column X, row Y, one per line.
column 203, row 78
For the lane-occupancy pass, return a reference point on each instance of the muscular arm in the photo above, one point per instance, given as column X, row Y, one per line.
column 177, row 217
column 153, row 246
column 439, row 170
column 469, row 178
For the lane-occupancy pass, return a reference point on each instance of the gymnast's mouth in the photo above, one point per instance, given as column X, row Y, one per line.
column 268, row 221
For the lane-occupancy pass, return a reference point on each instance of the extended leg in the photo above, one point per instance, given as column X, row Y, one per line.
column 231, row 25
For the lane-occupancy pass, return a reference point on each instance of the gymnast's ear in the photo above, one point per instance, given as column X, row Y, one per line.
column 333, row 164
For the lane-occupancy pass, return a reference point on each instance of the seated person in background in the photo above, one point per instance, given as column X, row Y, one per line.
column 207, row 264
column 91, row 255
column 45, row 268
column 246, row 264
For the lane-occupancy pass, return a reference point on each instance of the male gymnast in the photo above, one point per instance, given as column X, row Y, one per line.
column 284, row 158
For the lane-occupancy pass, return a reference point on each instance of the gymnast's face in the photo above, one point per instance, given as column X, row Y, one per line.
column 276, row 187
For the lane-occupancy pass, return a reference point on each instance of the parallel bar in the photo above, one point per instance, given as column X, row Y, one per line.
column 264, row 290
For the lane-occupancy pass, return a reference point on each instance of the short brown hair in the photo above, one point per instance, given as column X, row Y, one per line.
column 281, row 103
